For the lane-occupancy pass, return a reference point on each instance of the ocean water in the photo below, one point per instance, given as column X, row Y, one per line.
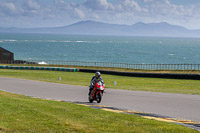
column 134, row 50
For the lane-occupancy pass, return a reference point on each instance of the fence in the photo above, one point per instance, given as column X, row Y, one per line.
column 110, row 64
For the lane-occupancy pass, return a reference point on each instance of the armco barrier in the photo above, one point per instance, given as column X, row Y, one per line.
column 162, row 67
column 40, row 68
column 151, row 75
column 131, row 74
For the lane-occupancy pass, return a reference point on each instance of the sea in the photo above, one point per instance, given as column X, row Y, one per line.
column 94, row 48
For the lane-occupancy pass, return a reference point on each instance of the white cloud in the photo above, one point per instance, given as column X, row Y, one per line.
column 147, row 0
column 8, row 8
column 15, row 9
column 62, row 12
column 131, row 4
column 32, row 5
column 98, row 4
column 62, row 5
column 166, row 8
column 79, row 13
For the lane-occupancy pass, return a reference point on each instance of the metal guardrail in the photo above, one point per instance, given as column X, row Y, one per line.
column 110, row 64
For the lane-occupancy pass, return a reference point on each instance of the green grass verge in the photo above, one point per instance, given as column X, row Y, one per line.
column 23, row 114
column 123, row 82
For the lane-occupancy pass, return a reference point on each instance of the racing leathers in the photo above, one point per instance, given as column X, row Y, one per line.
column 93, row 81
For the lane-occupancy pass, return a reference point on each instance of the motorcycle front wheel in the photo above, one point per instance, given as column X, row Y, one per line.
column 90, row 98
column 99, row 97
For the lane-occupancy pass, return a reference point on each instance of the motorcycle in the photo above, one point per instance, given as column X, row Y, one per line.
column 97, row 92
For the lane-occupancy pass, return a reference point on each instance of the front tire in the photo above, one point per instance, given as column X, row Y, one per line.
column 90, row 98
column 99, row 97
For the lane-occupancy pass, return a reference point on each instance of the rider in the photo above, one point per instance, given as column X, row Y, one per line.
column 95, row 78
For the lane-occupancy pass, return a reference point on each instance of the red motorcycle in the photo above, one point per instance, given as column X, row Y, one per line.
column 97, row 92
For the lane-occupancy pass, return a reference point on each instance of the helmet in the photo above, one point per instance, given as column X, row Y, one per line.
column 97, row 74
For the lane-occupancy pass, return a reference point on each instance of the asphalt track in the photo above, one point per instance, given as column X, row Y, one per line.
column 180, row 106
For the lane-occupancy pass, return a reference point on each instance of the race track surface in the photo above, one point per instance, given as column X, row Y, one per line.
column 180, row 106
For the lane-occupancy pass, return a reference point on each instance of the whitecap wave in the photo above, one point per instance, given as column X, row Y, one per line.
column 62, row 41
column 42, row 63
column 77, row 41
column 59, row 41
column 10, row 40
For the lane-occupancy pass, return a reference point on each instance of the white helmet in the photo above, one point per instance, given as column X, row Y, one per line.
column 98, row 74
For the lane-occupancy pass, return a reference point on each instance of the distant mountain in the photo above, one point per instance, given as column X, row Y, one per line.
column 98, row 28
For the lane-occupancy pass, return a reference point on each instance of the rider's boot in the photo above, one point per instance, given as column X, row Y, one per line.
column 89, row 92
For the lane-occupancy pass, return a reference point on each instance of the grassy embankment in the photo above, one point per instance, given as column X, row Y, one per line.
column 123, row 82
column 23, row 114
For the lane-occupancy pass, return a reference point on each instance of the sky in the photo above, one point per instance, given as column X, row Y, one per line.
column 54, row 13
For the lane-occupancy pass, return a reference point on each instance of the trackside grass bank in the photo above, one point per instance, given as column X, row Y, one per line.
column 123, row 82
column 23, row 114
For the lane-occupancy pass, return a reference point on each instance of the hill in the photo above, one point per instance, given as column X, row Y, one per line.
column 98, row 28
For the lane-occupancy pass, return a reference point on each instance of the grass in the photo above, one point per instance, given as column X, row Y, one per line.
column 23, row 114
column 123, row 82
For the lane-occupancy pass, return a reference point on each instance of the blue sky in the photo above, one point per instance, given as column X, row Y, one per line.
column 51, row 13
